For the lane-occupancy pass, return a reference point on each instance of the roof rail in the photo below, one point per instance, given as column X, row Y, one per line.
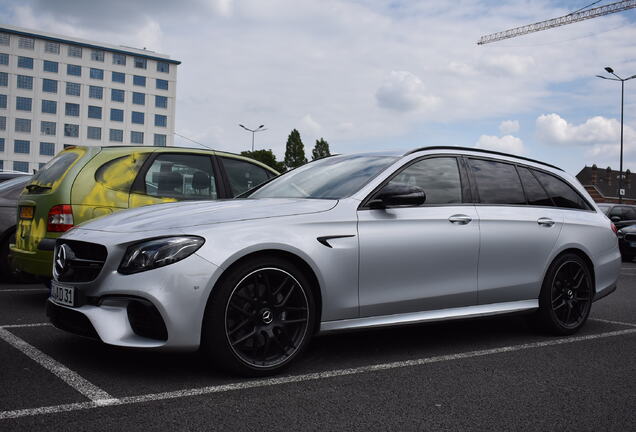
column 480, row 151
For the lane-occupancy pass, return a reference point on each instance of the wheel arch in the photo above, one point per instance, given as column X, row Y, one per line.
column 302, row 264
column 581, row 254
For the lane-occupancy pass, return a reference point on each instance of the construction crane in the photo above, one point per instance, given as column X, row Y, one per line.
column 573, row 17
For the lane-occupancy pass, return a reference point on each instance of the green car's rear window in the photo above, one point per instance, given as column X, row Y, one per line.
column 55, row 168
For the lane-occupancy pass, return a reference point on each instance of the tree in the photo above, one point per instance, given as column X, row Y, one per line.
column 295, row 151
column 320, row 150
column 267, row 157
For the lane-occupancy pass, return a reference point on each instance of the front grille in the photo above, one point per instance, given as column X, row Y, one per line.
column 630, row 237
column 70, row 320
column 145, row 320
column 81, row 261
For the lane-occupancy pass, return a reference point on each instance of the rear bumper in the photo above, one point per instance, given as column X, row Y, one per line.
column 37, row 263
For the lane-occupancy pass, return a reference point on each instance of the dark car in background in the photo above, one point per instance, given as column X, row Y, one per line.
column 627, row 242
column 9, row 192
column 8, row 175
column 621, row 214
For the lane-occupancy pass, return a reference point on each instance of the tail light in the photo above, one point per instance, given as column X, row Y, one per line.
column 614, row 229
column 60, row 218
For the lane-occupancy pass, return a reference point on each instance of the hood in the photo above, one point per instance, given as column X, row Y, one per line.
column 192, row 213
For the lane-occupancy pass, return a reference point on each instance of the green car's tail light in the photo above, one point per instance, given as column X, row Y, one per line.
column 158, row 253
column 60, row 218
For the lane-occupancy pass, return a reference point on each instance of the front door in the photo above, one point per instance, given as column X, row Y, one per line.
column 424, row 257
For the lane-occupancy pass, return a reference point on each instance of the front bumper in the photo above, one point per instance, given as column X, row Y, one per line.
column 177, row 294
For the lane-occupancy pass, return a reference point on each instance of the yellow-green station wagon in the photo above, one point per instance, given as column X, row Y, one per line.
column 83, row 183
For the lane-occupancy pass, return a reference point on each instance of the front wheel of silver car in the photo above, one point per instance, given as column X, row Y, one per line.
column 260, row 318
column 566, row 295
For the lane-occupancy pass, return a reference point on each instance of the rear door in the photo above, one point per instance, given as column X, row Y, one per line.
column 518, row 229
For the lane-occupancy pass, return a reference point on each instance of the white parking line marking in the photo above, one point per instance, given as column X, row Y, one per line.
column 301, row 378
column 613, row 322
column 25, row 325
column 91, row 391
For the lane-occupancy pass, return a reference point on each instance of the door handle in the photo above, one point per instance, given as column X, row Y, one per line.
column 459, row 219
column 544, row 221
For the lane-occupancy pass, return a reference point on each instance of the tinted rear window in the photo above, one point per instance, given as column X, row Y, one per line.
column 54, row 170
column 535, row 193
column 497, row 183
column 561, row 193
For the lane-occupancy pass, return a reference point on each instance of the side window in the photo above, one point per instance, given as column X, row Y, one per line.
column 629, row 213
column 497, row 182
column 243, row 175
column 119, row 174
column 534, row 191
column 438, row 177
column 181, row 176
column 561, row 193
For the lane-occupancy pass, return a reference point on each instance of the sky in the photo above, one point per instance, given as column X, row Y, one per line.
column 377, row 75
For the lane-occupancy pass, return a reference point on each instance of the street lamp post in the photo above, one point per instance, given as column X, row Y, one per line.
column 261, row 128
column 622, row 80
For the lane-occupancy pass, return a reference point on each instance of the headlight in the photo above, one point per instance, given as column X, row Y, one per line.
column 158, row 253
column 620, row 234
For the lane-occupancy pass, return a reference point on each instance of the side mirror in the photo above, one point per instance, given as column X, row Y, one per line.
column 615, row 219
column 398, row 194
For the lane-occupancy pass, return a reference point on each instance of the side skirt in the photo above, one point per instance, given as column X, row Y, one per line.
column 429, row 316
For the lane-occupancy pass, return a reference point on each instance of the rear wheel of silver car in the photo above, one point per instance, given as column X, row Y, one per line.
column 566, row 295
column 260, row 318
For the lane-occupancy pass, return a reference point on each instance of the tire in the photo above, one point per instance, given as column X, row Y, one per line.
column 566, row 295
column 260, row 317
column 7, row 269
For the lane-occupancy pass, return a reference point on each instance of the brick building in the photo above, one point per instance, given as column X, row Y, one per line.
column 602, row 184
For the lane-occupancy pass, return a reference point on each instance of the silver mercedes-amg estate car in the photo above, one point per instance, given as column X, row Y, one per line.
column 346, row 242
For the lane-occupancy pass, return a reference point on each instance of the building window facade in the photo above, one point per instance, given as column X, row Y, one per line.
column 119, row 77
column 50, row 66
column 117, row 95
column 23, row 125
column 72, row 109
column 3, row 123
column 139, row 98
column 73, row 89
column 25, row 82
column 4, row 39
column 94, row 112
column 52, row 47
column 47, row 148
column 22, row 146
column 160, row 140
column 137, row 117
column 97, row 55
column 23, row 103
column 163, row 67
column 74, row 70
column 116, row 115
column 95, row 92
column 20, row 166
column 119, row 59
column 26, row 43
column 4, row 59
column 93, row 132
column 141, row 63
column 3, row 101
column 49, row 85
column 136, row 137
column 25, row 62
column 97, row 74
column 49, row 106
column 161, row 120
column 74, row 51
column 139, row 80
column 116, row 135
column 161, row 102
column 4, row 79
column 71, row 130
column 48, row 128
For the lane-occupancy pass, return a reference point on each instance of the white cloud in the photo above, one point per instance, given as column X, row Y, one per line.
column 508, row 127
column 309, row 126
column 404, row 91
column 553, row 129
column 506, row 143
column 508, row 64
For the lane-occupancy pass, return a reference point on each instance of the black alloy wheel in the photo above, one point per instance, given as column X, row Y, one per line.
column 266, row 317
column 260, row 317
column 566, row 295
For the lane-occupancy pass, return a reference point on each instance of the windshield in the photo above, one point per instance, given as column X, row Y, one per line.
column 334, row 177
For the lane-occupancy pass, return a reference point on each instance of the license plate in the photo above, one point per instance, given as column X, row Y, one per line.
column 62, row 294
column 26, row 212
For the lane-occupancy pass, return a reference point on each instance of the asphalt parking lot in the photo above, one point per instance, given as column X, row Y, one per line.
column 487, row 374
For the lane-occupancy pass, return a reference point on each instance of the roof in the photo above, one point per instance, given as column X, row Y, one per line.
column 135, row 52
column 606, row 181
column 478, row 150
